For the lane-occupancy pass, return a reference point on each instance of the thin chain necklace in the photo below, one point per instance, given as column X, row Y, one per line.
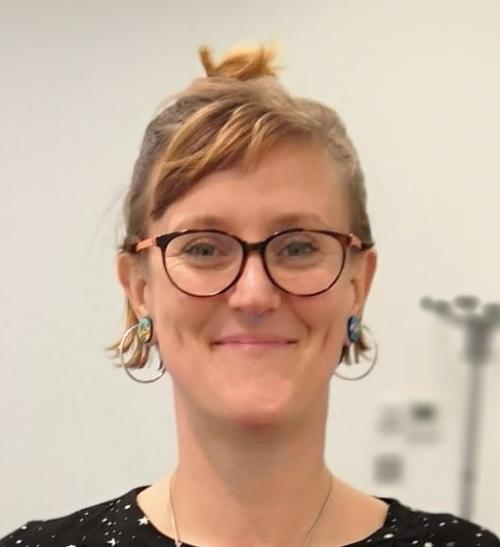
column 305, row 543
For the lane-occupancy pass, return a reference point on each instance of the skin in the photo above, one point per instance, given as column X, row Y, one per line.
column 251, row 417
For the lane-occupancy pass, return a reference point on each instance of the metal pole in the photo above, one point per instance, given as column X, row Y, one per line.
column 471, row 440
column 478, row 328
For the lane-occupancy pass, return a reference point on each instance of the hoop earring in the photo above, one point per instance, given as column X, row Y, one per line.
column 143, row 333
column 354, row 331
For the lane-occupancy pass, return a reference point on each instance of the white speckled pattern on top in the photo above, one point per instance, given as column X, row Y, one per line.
column 120, row 522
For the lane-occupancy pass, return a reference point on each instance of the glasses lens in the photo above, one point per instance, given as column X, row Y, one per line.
column 304, row 262
column 203, row 263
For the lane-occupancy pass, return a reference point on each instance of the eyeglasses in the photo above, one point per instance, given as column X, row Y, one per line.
column 208, row 262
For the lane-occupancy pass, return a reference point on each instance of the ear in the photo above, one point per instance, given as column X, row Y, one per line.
column 134, row 282
column 364, row 266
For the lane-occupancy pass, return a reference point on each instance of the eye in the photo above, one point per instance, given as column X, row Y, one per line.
column 296, row 246
column 206, row 249
column 202, row 249
column 300, row 248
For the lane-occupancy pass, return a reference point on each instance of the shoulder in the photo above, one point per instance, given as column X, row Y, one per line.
column 435, row 529
column 96, row 521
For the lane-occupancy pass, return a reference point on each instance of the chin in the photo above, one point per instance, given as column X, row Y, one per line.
column 256, row 422
column 259, row 412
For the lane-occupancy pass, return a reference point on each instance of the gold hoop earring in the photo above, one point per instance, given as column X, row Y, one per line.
column 142, row 332
column 370, row 360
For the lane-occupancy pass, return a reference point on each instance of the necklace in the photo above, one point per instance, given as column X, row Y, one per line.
column 307, row 540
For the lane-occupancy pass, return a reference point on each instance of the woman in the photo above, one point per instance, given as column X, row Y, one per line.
column 247, row 262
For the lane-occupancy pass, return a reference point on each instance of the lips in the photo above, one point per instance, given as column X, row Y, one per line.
column 253, row 340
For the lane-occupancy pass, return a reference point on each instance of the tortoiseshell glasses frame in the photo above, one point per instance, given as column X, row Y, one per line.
column 346, row 242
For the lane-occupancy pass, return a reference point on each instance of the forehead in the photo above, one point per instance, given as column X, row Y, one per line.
column 293, row 184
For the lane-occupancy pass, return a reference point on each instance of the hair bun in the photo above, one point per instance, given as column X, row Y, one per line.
column 242, row 64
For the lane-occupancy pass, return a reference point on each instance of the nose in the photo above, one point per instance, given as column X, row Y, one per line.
column 254, row 292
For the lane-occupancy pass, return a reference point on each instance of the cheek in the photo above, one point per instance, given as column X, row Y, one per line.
column 176, row 316
column 178, row 321
column 326, row 317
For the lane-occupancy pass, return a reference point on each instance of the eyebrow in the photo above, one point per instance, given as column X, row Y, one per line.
column 289, row 220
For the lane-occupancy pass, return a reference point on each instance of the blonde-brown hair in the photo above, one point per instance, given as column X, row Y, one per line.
column 230, row 117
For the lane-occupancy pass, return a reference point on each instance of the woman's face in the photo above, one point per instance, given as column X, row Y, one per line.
column 255, row 383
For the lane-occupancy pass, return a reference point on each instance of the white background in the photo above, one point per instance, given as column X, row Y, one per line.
column 418, row 85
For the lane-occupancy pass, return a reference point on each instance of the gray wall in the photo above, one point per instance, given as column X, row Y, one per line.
column 417, row 83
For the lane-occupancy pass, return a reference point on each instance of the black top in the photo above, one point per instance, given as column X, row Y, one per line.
column 120, row 521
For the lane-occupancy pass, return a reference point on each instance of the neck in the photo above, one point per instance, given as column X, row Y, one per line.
column 244, row 485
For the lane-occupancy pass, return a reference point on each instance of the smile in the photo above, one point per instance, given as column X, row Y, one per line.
column 253, row 346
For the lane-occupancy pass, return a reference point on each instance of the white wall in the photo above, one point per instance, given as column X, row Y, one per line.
column 417, row 83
